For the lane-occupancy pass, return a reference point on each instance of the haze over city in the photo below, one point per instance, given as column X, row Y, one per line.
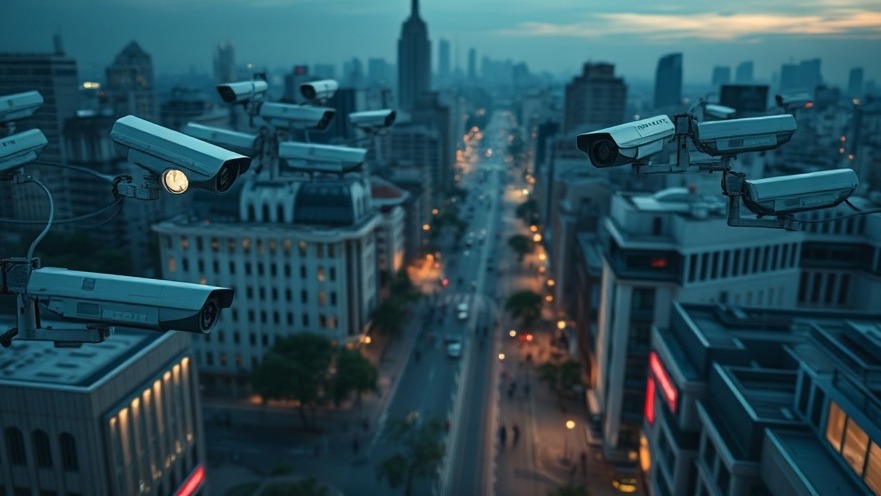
column 556, row 36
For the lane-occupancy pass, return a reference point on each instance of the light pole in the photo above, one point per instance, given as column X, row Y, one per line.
column 570, row 424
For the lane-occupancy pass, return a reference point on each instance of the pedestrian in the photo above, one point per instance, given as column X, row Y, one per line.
column 503, row 435
column 515, row 435
column 356, row 443
column 583, row 464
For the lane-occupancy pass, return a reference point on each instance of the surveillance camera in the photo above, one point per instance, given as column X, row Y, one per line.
column 126, row 301
column 19, row 105
column 242, row 91
column 179, row 160
column 720, row 112
column 626, row 143
column 319, row 90
column 19, row 149
column 325, row 158
column 788, row 194
column 790, row 102
column 373, row 119
column 231, row 140
column 733, row 136
column 287, row 116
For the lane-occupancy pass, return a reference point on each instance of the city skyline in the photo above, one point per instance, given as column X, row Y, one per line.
column 182, row 36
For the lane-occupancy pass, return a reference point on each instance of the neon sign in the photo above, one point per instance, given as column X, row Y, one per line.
column 668, row 389
column 193, row 482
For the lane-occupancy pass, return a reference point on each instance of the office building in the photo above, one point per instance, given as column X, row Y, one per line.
column 380, row 72
column 391, row 203
column 802, row 77
column 415, row 145
column 353, row 73
column 118, row 417
column 595, row 99
column 301, row 256
column 746, row 401
column 855, row 83
column 443, row 60
column 414, row 60
column 225, row 63
column 434, row 113
column 129, row 88
column 668, row 83
column 749, row 100
column 472, row 64
column 721, row 75
column 743, row 74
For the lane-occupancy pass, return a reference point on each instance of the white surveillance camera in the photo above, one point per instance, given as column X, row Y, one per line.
column 324, row 158
column 319, row 90
column 19, row 105
column 126, row 301
column 242, row 91
column 753, row 134
column 788, row 194
column 231, row 140
column 288, row 116
column 626, row 143
column 373, row 119
column 19, row 149
column 179, row 160
column 720, row 112
column 790, row 102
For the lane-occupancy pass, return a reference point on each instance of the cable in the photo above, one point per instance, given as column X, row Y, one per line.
column 51, row 217
column 77, row 168
column 71, row 220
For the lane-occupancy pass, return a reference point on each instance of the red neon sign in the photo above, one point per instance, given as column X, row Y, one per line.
column 668, row 390
column 193, row 482
column 650, row 400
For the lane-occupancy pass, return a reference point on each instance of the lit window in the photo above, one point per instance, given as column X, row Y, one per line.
column 856, row 444
column 835, row 425
column 287, row 246
column 320, row 273
column 333, row 322
column 215, row 245
column 321, row 298
column 873, row 469
column 302, row 247
column 272, row 246
column 184, row 243
column 172, row 265
column 246, row 245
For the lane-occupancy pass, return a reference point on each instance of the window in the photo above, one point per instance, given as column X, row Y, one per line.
column 185, row 264
column 319, row 250
column 232, row 268
column 333, row 273
column 286, row 246
column 15, row 446
column 246, row 245
column 330, row 250
column 774, row 255
column 301, row 246
column 320, row 274
column 873, row 469
column 714, row 267
column 252, row 338
column 288, row 295
column 200, row 244
column 643, row 299
column 235, row 337
column 333, row 322
column 305, row 320
column 333, row 298
column 42, row 449
column 184, row 243
column 223, row 359
column 172, row 266
column 215, row 245
column 705, row 262
column 304, row 297
column 302, row 272
column 287, row 270
column 726, row 257
column 830, row 287
column 842, row 289
column 322, row 321
column 290, row 319
column 835, row 425
column 856, row 445
column 322, row 297
column 68, row 452
column 209, row 358
column 735, row 267
column 692, row 267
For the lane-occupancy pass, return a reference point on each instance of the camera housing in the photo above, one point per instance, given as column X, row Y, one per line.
column 180, row 161
column 322, row 158
column 373, row 119
column 138, row 302
column 243, row 91
column 626, row 143
column 319, row 90
column 752, row 134
column 288, row 116
column 790, row 102
column 783, row 195
column 19, row 105
column 714, row 111
column 243, row 143
column 21, row 148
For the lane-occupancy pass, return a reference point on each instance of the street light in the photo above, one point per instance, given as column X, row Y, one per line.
column 570, row 424
column 561, row 324
column 512, row 333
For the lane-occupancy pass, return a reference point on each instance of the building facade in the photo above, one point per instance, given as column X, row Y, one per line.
column 414, row 60
column 129, row 88
column 118, row 417
column 595, row 99
column 668, row 82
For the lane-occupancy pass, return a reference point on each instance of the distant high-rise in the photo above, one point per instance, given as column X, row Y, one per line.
column 130, row 84
column 414, row 60
column 443, row 62
column 595, row 99
column 789, row 77
column 804, row 76
column 353, row 73
column 379, row 72
column 299, row 74
column 721, row 75
column 744, row 73
column 324, row 71
column 225, row 63
column 668, row 81
column 472, row 64
column 855, row 82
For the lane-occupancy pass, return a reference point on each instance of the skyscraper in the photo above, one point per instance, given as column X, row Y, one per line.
column 130, row 84
column 472, row 64
column 744, row 73
column 668, row 81
column 225, row 63
column 443, row 63
column 721, row 75
column 414, row 60
column 855, row 82
column 595, row 99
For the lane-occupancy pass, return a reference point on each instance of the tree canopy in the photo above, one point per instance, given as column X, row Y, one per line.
column 525, row 305
column 354, row 373
column 421, row 451
column 521, row 244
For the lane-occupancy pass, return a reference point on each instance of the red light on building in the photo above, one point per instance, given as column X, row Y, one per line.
column 650, row 400
column 193, row 482
column 668, row 389
column 300, row 70
column 659, row 263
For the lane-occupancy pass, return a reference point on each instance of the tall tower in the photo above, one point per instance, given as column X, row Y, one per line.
column 414, row 60
column 225, row 63
column 668, row 81
column 130, row 84
column 472, row 64
column 443, row 63
column 595, row 99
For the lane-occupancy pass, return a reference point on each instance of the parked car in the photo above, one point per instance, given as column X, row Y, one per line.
column 454, row 347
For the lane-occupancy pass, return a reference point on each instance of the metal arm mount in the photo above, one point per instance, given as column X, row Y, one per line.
column 684, row 133
column 147, row 190
column 732, row 187
column 14, row 281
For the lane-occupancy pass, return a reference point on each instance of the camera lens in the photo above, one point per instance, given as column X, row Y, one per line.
column 208, row 315
column 605, row 152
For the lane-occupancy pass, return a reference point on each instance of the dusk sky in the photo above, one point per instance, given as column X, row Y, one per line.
column 549, row 35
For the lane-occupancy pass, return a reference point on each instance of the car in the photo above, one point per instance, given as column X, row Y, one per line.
column 462, row 311
column 625, row 484
column 454, row 347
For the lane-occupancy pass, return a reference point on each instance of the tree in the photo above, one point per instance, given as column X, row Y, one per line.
column 403, row 289
column 521, row 244
column 570, row 489
column 355, row 373
column 524, row 305
column 295, row 368
column 388, row 319
column 528, row 212
column 561, row 377
column 423, row 451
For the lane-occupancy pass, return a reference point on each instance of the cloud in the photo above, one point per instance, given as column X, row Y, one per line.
column 837, row 22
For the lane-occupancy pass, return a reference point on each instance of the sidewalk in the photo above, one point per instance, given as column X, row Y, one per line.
column 281, row 423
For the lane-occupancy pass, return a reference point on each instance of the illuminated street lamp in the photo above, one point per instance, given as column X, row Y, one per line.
column 536, row 237
column 542, row 257
column 434, row 211
column 570, row 424
column 426, row 227
column 550, row 283
column 549, row 298
column 501, row 356
column 533, row 228
column 512, row 333
column 561, row 324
